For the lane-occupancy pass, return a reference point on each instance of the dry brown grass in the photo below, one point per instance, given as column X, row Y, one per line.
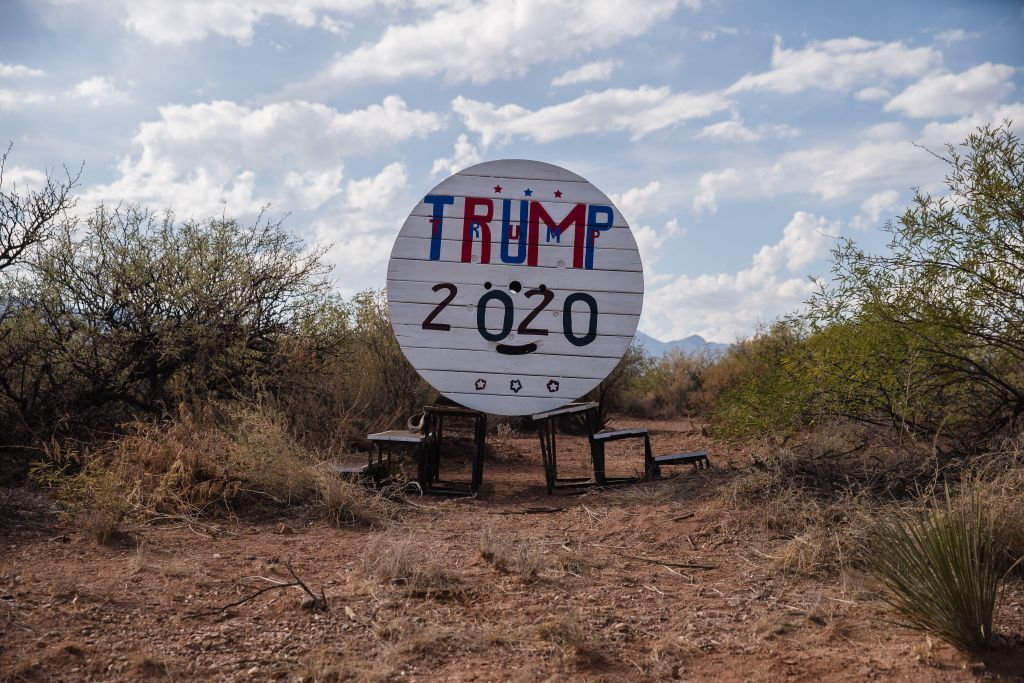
column 396, row 561
column 570, row 641
column 511, row 555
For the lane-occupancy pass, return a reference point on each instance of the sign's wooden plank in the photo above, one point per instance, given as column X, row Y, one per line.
column 559, row 279
column 458, row 290
column 528, row 297
column 467, row 323
column 531, row 364
column 521, row 168
column 453, row 213
column 498, row 188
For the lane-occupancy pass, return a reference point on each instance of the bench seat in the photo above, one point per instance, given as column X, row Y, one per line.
column 397, row 436
column 616, row 434
column 695, row 458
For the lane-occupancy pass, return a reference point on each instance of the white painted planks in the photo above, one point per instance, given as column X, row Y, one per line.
column 470, row 315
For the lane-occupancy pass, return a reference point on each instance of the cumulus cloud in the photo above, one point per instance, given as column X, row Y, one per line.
column 962, row 93
column 592, row 71
column 650, row 241
column 638, row 112
column 483, row 41
column 841, row 64
column 710, row 185
column 872, row 94
column 19, row 71
column 722, row 306
column 735, row 131
column 955, row 35
column 196, row 157
column 183, row 21
column 464, row 154
column 872, row 208
column 937, row 134
column 97, row 91
column 633, row 201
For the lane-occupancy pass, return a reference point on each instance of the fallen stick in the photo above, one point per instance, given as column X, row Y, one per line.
column 664, row 563
column 530, row 511
column 318, row 601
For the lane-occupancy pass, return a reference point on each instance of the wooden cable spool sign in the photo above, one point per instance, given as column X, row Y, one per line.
column 515, row 287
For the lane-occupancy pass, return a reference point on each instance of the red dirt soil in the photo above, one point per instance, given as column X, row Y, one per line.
column 610, row 600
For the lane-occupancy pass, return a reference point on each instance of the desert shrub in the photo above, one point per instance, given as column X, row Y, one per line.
column 942, row 572
column 666, row 386
column 131, row 313
column 931, row 334
column 761, row 386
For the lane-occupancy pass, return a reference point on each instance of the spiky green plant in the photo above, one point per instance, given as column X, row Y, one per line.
column 942, row 572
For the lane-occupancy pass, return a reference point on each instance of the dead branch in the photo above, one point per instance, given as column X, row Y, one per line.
column 314, row 601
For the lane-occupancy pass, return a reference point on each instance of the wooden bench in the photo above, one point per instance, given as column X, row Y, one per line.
column 699, row 460
column 600, row 438
column 385, row 443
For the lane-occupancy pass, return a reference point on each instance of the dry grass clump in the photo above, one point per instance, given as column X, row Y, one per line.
column 229, row 458
column 92, row 499
column 344, row 503
column 395, row 561
column 570, row 640
column 513, row 556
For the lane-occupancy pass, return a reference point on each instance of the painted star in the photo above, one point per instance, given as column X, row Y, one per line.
column 558, row 194
column 497, row 188
column 480, row 384
column 516, row 386
column 528, row 192
column 552, row 385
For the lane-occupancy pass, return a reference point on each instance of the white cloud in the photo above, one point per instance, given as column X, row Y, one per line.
column 638, row 112
column 713, row 33
column 962, row 93
column 937, row 134
column 710, row 184
column 735, row 131
column 873, row 94
column 464, row 154
column 633, row 201
column 872, row 208
column 592, row 71
column 650, row 241
column 361, row 231
column 183, row 21
column 840, row 64
column 722, row 306
column 195, row 157
column 97, row 91
column 19, row 71
column 482, row 41
column 371, row 195
column 23, row 179
column 955, row 35
column 891, row 130
column 13, row 99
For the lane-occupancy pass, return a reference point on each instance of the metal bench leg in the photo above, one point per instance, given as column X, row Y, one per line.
column 545, row 430
column 651, row 469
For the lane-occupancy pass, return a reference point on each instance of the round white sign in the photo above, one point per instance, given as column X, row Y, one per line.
column 515, row 287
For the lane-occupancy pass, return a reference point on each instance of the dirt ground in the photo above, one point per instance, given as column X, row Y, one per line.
column 647, row 582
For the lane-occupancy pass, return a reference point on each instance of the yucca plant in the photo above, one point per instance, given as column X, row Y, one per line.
column 942, row 572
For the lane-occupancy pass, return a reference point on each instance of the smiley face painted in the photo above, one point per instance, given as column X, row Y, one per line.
column 514, row 303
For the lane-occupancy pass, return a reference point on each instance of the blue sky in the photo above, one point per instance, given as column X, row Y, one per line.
column 740, row 139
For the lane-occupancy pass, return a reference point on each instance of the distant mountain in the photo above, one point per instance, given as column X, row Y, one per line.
column 694, row 344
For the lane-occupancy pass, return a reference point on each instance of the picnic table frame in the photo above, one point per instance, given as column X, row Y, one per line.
column 547, row 431
column 430, row 464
